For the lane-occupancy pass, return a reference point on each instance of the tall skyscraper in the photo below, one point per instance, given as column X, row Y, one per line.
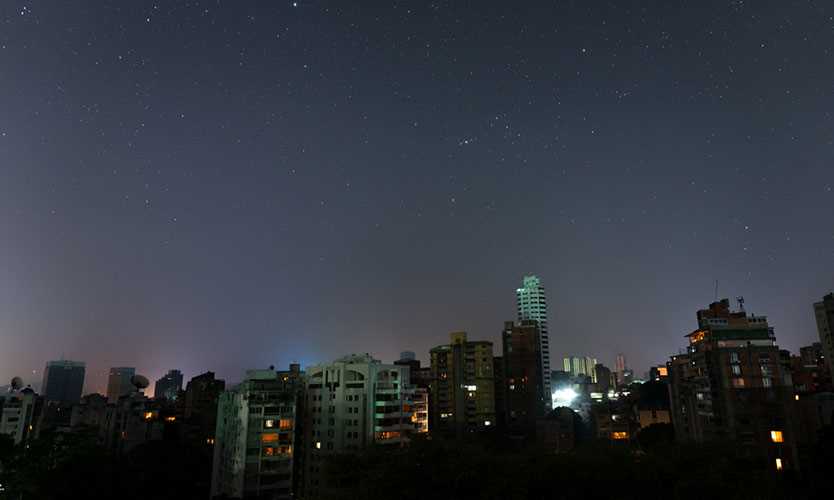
column 463, row 386
column 63, row 381
column 731, row 386
column 532, row 305
column 118, row 383
column 824, row 311
column 351, row 403
column 620, row 367
column 169, row 386
column 522, row 378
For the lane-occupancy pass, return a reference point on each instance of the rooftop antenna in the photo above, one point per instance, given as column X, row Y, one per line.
column 740, row 301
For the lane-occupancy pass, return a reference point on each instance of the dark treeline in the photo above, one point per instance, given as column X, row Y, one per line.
column 654, row 468
column 72, row 465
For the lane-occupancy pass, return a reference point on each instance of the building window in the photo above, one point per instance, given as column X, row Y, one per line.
column 767, row 382
column 736, row 370
column 776, row 437
column 778, row 464
column 738, row 382
column 269, row 424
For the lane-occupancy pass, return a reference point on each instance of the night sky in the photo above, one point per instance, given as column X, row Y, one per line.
column 223, row 185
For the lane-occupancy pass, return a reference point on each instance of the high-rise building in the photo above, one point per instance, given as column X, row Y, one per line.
column 169, row 386
column 255, row 440
column 419, row 376
column 581, row 367
column 812, row 355
column 118, row 383
column 63, row 381
column 350, row 404
column 824, row 312
column 531, row 304
column 463, row 386
column 730, row 386
column 200, row 410
column 522, row 378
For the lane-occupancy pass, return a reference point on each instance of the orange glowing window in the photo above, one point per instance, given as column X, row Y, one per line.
column 148, row 415
column 269, row 451
column 269, row 438
column 697, row 336
column 662, row 371
column 285, row 424
column 776, row 437
column 170, row 419
column 619, row 435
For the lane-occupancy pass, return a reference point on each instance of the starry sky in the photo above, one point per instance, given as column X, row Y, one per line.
column 228, row 184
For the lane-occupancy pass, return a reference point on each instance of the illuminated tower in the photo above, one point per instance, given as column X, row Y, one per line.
column 532, row 305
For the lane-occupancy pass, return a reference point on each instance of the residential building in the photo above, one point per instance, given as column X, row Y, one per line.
column 730, row 386
column 463, row 386
column 531, row 304
column 118, row 383
column 89, row 412
column 200, row 407
column 63, row 381
column 419, row 376
column 19, row 414
column 824, row 312
column 581, row 367
column 557, row 430
column 255, row 439
column 812, row 355
column 604, row 379
column 351, row 403
column 169, row 386
column 522, row 377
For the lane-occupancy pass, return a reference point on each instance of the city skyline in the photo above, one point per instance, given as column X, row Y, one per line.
column 227, row 185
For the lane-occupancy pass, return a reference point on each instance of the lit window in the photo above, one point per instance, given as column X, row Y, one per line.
column 269, row 424
column 269, row 438
column 171, row 419
column 285, row 424
column 318, row 445
column 148, row 415
column 778, row 464
column 619, row 435
column 796, row 397
column 487, row 423
column 776, row 437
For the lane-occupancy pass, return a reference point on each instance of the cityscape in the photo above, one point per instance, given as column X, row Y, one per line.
column 410, row 249
column 284, row 433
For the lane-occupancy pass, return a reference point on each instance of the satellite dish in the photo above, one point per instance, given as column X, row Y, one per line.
column 17, row 383
column 139, row 381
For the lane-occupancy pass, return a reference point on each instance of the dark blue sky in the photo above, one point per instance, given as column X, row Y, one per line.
column 230, row 184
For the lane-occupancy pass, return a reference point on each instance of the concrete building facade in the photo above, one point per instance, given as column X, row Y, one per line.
column 463, row 386
column 730, row 386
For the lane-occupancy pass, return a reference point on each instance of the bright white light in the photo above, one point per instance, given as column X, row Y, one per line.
column 563, row 397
